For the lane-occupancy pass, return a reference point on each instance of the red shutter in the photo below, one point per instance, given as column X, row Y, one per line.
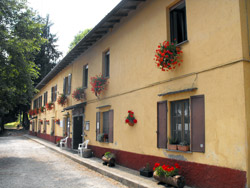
column 162, row 124
column 198, row 123
column 97, row 124
column 111, row 122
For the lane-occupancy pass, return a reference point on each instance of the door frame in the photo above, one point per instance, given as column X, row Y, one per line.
column 73, row 124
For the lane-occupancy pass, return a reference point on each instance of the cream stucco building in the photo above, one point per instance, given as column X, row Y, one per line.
column 205, row 102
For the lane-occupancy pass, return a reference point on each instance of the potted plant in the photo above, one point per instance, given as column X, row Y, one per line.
column 184, row 146
column 146, row 171
column 79, row 94
column 49, row 106
column 58, row 121
column 105, row 137
column 31, row 112
column 62, row 99
column 99, row 84
column 130, row 118
column 58, row 142
column 100, row 137
column 169, row 175
column 109, row 159
column 41, row 109
column 167, row 56
column 172, row 145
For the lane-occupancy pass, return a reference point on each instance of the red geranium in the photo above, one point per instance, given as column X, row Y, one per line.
column 166, row 170
column 167, row 56
column 99, row 84
column 130, row 118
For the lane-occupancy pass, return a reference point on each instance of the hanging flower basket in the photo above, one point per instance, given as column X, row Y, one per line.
column 62, row 99
column 99, row 84
column 58, row 121
column 79, row 94
column 49, row 106
column 30, row 112
column 130, row 118
column 41, row 122
column 41, row 109
column 167, row 56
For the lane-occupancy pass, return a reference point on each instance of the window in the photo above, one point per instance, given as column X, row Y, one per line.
column 180, row 121
column 44, row 125
column 52, row 130
column 104, row 126
column 35, row 104
column 45, row 98
column 53, row 93
column 178, row 24
column 106, row 64
column 67, row 85
column 85, row 76
column 40, row 99
column 187, row 122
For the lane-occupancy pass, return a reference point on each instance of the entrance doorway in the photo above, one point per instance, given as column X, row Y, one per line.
column 77, row 131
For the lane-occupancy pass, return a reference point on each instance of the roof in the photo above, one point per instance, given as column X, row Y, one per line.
column 102, row 28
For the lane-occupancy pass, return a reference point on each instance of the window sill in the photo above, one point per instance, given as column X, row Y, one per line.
column 103, row 142
column 181, row 43
column 179, row 151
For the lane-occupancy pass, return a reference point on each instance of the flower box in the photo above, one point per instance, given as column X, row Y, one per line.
column 172, row 147
column 183, row 148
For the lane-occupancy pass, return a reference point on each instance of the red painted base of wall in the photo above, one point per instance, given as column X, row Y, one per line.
column 198, row 175
column 49, row 137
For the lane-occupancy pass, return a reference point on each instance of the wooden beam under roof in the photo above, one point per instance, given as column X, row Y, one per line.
column 121, row 14
column 114, row 21
column 130, row 7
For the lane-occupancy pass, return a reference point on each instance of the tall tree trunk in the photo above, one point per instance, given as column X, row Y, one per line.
column 1, row 125
column 25, row 122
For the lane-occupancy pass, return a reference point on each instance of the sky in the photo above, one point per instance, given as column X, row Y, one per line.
column 71, row 16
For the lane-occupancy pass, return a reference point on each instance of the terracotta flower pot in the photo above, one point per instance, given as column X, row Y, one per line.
column 183, row 148
column 172, row 147
column 131, row 124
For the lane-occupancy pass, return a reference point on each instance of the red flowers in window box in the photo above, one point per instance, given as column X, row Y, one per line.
column 130, row 118
column 167, row 56
column 41, row 109
column 79, row 94
column 49, row 106
column 62, row 99
column 99, row 84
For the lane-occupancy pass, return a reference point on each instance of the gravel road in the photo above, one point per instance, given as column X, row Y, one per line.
column 26, row 164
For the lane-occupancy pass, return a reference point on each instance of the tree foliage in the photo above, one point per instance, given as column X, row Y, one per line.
column 20, row 41
column 78, row 38
column 48, row 54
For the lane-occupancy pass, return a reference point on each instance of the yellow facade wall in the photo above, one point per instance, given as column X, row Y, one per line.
column 210, row 62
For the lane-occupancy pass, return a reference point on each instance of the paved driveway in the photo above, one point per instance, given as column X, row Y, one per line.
column 26, row 164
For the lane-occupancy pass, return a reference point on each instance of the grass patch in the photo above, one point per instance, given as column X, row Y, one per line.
column 11, row 125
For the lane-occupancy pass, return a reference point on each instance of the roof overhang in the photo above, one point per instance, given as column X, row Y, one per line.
column 80, row 105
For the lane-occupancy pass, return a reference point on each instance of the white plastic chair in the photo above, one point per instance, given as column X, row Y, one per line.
column 82, row 146
column 63, row 142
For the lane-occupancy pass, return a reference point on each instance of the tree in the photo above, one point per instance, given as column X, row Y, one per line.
column 20, row 41
column 48, row 54
column 78, row 38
